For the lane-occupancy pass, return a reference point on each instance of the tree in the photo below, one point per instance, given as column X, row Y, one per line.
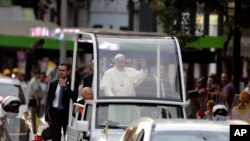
column 170, row 16
column 177, row 17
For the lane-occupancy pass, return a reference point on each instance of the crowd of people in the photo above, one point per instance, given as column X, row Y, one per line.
column 49, row 99
column 216, row 99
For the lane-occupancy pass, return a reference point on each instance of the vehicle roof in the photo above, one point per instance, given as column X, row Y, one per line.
column 9, row 80
column 186, row 124
column 102, row 31
column 189, row 125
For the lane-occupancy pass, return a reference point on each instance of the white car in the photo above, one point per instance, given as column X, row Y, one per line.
column 12, row 87
column 147, row 129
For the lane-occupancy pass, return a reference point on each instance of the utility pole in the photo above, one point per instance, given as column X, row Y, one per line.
column 236, row 46
column 131, row 15
column 31, row 58
column 75, row 11
column 64, row 18
column 219, row 51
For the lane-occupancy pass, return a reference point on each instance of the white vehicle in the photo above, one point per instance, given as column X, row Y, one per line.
column 147, row 129
column 107, row 116
column 12, row 87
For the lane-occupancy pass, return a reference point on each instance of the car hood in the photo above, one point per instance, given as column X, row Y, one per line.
column 112, row 135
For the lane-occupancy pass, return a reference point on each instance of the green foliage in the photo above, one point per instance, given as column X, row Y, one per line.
column 175, row 16
column 174, row 22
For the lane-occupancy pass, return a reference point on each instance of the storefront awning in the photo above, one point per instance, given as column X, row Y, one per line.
column 27, row 41
column 208, row 42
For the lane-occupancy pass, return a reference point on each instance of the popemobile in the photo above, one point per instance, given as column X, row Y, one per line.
column 135, row 75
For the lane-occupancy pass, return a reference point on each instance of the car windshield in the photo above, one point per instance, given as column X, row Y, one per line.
column 139, row 68
column 190, row 135
column 13, row 90
column 120, row 115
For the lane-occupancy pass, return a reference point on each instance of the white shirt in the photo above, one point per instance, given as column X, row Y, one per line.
column 44, row 88
column 56, row 100
column 122, row 83
column 25, row 87
column 247, row 90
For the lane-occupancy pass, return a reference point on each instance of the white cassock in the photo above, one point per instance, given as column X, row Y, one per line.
column 122, row 83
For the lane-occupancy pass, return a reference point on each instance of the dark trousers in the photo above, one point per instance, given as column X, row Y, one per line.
column 58, row 121
column 34, row 115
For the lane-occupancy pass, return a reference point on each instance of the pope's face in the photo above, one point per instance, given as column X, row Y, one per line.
column 120, row 63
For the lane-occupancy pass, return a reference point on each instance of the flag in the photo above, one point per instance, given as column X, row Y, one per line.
column 106, row 130
column 38, row 121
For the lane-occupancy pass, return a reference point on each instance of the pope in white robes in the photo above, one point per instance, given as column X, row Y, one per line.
column 122, row 81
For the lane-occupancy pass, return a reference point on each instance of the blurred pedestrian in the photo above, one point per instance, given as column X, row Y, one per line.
column 35, row 97
column 25, row 85
column 228, row 90
column 209, row 111
column 213, row 89
column 242, row 110
column 44, row 89
column 202, row 91
column 247, row 89
column 192, row 104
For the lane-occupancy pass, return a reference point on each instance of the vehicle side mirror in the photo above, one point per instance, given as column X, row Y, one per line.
column 82, row 126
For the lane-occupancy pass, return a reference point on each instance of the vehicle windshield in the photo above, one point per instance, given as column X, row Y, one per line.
column 13, row 90
column 120, row 115
column 190, row 135
column 139, row 68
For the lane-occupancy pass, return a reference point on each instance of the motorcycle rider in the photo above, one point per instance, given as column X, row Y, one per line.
column 9, row 110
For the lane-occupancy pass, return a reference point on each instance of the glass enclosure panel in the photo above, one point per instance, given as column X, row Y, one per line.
column 139, row 68
column 120, row 115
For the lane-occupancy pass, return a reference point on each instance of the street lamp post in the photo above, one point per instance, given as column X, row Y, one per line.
column 64, row 18
column 31, row 58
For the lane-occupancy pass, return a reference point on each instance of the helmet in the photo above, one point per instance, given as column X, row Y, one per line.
column 10, row 106
column 6, row 72
column 16, row 70
column 244, row 96
column 220, row 112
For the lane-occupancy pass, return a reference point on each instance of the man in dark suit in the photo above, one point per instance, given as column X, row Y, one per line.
column 58, row 100
column 148, row 88
column 88, row 79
